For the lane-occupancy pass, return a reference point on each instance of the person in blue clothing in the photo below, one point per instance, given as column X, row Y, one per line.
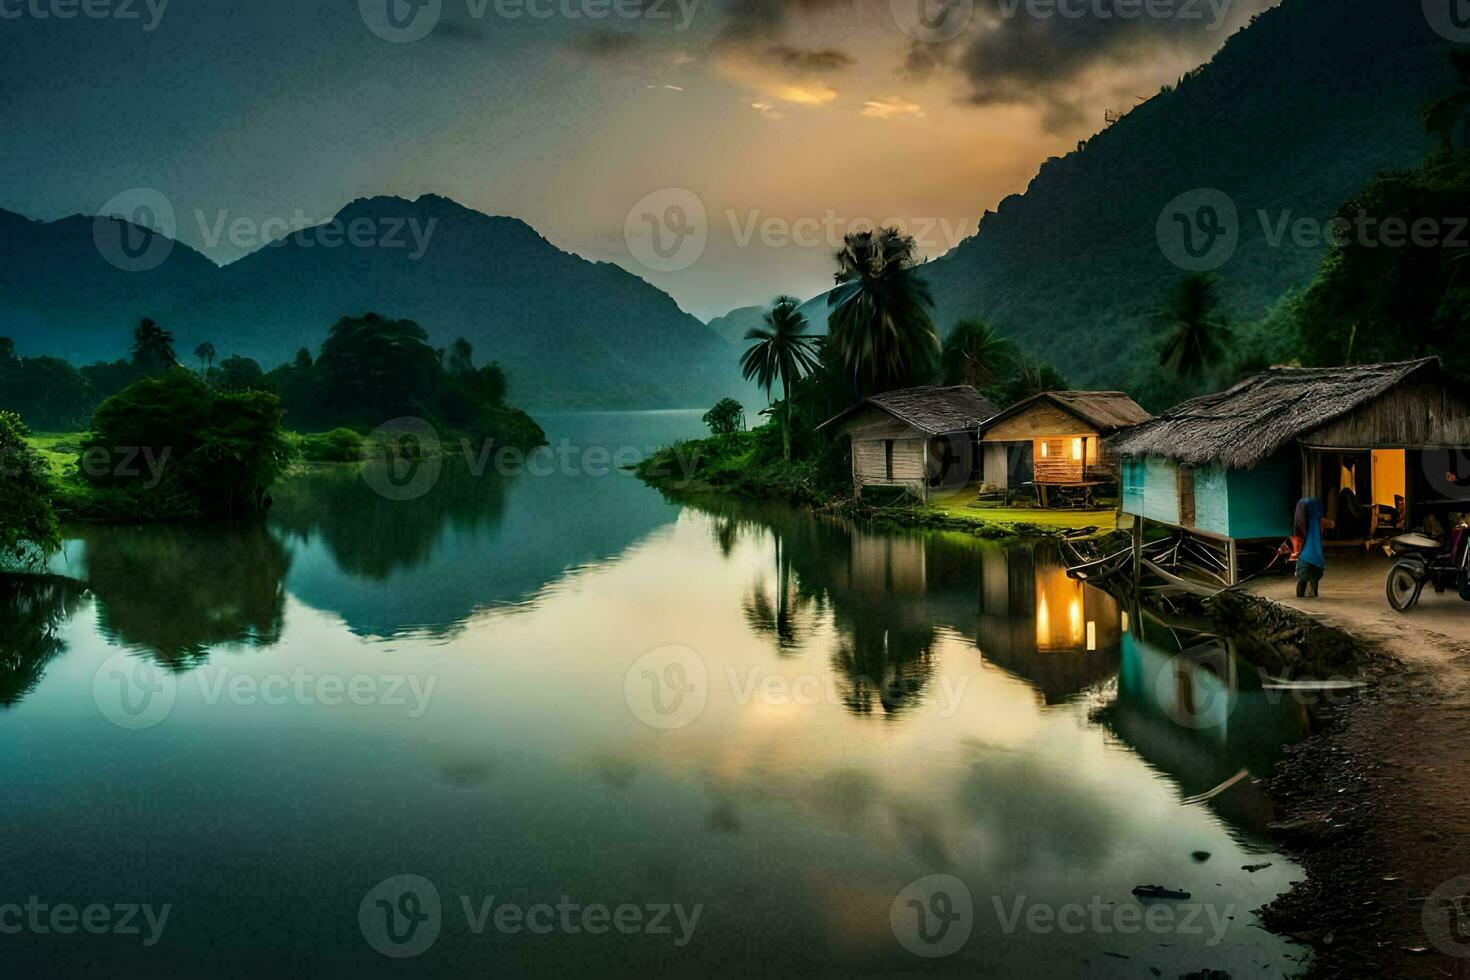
column 1307, row 536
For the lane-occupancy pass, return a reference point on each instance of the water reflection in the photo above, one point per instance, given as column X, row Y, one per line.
column 179, row 591
column 889, row 594
column 33, row 609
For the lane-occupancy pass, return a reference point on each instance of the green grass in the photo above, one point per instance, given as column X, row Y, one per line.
column 961, row 505
column 59, row 450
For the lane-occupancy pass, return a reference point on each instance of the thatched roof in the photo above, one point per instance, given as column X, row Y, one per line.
column 1245, row 424
column 1105, row 411
column 929, row 408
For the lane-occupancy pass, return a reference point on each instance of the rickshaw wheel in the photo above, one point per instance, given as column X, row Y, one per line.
column 1403, row 587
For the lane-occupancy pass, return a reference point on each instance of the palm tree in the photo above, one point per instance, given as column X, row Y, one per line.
column 879, row 324
column 1197, row 333
column 206, row 354
column 153, row 347
column 1446, row 119
column 975, row 354
column 781, row 352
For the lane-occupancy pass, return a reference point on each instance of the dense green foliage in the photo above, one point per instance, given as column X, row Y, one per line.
column 879, row 323
column 174, row 447
column 727, row 416
column 1196, row 333
column 976, row 354
column 28, row 528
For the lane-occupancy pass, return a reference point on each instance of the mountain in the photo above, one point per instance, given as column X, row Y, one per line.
column 570, row 333
column 1293, row 115
column 732, row 326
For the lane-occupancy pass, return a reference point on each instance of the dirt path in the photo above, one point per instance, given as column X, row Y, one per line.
column 1378, row 807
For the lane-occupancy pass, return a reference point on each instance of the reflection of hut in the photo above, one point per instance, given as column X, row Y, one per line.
column 1053, row 631
column 1055, row 438
column 1369, row 440
column 914, row 438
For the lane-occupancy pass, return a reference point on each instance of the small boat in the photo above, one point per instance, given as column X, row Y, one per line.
column 1158, row 891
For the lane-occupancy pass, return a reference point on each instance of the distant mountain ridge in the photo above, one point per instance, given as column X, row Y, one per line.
column 569, row 332
column 1294, row 115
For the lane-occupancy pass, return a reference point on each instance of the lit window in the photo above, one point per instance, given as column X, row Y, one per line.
column 1076, row 448
column 1043, row 450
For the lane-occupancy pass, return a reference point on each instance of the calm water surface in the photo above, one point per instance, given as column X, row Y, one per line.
column 567, row 689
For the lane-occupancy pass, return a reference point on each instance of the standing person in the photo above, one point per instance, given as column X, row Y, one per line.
column 1311, row 562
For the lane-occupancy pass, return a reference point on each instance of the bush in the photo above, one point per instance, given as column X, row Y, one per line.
column 337, row 446
column 174, row 447
column 28, row 529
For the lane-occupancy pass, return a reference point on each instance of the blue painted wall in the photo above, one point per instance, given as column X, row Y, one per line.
column 1252, row 503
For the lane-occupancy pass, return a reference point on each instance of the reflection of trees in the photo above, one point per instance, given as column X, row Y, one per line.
column 32, row 609
column 371, row 536
column 180, row 590
column 891, row 667
column 791, row 614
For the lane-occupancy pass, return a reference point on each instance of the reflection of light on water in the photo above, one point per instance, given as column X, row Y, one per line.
column 1043, row 622
column 1092, row 635
column 1054, row 589
column 1124, row 620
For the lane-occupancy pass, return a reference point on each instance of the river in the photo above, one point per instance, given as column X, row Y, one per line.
column 551, row 723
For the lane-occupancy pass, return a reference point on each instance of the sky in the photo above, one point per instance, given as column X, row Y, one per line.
column 717, row 148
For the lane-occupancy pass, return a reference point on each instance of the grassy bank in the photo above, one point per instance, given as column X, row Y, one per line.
column 749, row 464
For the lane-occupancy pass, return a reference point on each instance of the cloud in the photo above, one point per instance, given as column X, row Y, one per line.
column 767, row 110
column 809, row 61
column 1016, row 56
column 890, row 107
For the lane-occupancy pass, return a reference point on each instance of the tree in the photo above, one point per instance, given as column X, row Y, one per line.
column 191, row 450
column 372, row 369
column 879, row 312
column 781, row 352
column 153, row 348
column 1446, row 119
column 1197, row 334
column 460, row 359
column 976, row 354
column 727, row 416
column 206, row 354
column 28, row 527
column 236, row 373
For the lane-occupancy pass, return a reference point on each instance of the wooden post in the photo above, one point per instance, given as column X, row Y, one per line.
column 1137, row 553
column 1232, row 563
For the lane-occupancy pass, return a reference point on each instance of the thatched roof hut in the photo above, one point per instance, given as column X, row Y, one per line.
column 1105, row 412
column 931, row 409
column 914, row 438
column 1252, row 421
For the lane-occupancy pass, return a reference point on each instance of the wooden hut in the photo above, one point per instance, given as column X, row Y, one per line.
column 1372, row 442
column 914, row 438
column 1055, row 438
